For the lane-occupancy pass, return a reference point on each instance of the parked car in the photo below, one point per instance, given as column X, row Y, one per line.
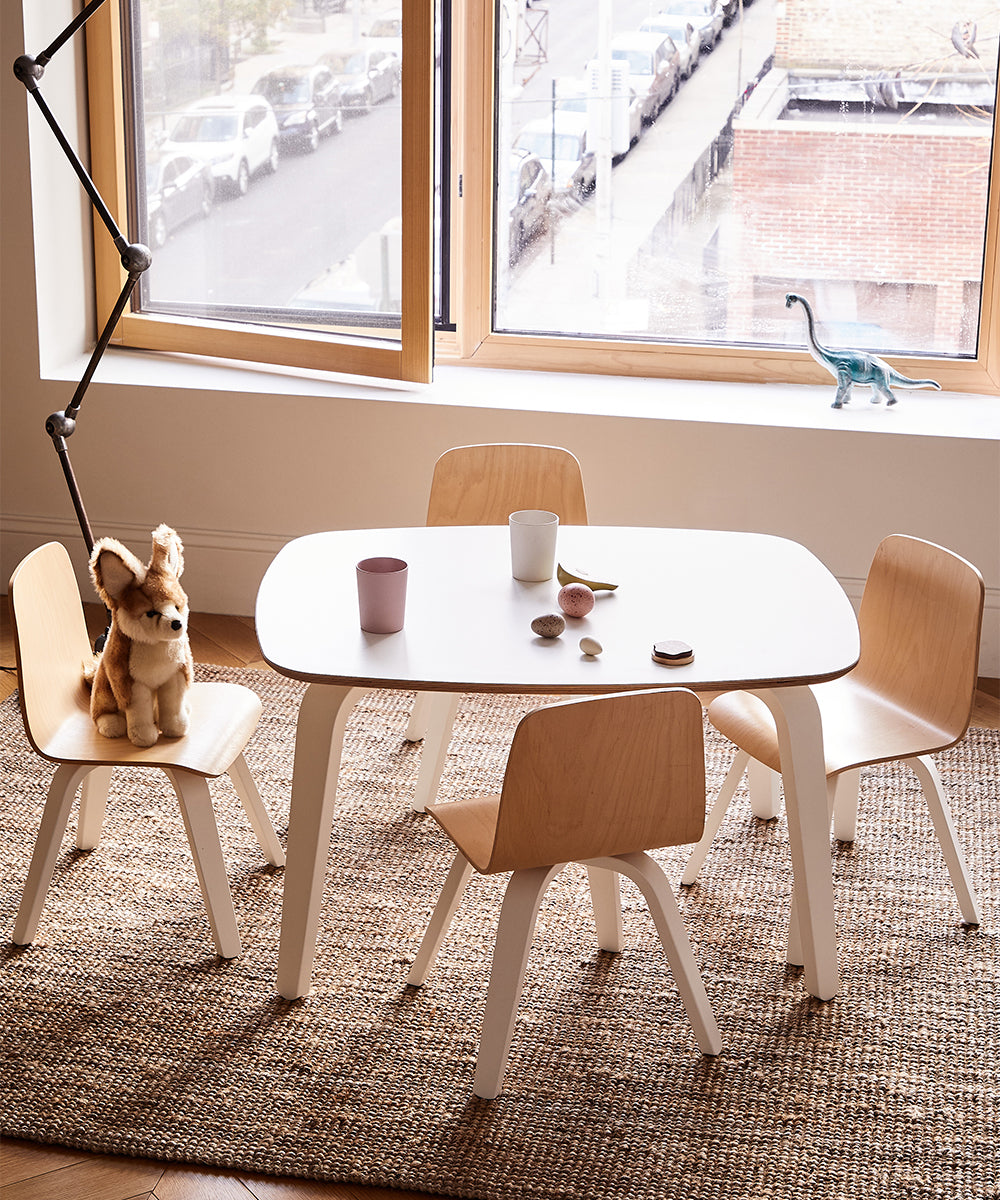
column 706, row 16
column 531, row 193
column 654, row 66
column 682, row 33
column 236, row 135
column 730, row 10
column 386, row 33
column 307, row 101
column 367, row 76
column 560, row 141
column 178, row 188
column 573, row 95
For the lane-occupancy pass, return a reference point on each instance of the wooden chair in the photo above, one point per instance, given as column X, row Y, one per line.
column 483, row 485
column 50, row 636
column 910, row 696
column 596, row 781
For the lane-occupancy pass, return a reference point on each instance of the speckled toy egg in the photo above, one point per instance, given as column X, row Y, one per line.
column 591, row 646
column 550, row 625
column 576, row 599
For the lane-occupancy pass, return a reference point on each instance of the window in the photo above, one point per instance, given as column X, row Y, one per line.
column 609, row 199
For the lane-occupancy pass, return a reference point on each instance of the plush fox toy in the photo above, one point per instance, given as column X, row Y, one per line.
column 143, row 674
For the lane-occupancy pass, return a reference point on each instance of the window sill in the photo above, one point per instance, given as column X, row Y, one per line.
column 923, row 413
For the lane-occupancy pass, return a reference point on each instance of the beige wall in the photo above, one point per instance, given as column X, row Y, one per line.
column 239, row 464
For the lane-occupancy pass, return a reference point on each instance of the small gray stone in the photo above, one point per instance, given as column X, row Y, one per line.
column 550, row 625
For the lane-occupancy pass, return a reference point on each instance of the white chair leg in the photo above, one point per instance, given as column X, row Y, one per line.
column 55, row 818
column 93, row 805
column 647, row 873
column 606, row 897
column 510, row 957
column 206, row 850
column 451, row 896
column 714, row 818
column 845, row 805
column 765, row 790
column 930, row 780
column 260, row 818
column 416, row 726
column 442, row 709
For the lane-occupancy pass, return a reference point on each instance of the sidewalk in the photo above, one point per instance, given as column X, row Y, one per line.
column 579, row 274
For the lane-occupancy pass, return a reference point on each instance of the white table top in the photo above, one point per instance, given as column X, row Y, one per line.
column 758, row 610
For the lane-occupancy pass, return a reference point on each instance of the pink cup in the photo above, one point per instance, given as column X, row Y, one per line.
column 382, row 594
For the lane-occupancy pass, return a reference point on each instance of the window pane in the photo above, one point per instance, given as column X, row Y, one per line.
column 268, row 140
column 699, row 163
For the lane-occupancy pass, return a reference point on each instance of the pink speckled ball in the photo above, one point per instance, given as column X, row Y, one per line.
column 576, row 599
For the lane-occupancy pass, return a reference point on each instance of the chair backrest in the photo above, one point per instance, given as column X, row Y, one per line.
column 608, row 775
column 51, row 641
column 921, row 619
column 483, row 485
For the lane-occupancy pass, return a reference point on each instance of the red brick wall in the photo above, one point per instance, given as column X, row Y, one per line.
column 857, row 35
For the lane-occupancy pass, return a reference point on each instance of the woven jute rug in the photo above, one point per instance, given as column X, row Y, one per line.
column 124, row 1034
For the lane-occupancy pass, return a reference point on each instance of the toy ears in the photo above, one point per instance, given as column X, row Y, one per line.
column 113, row 568
column 168, row 552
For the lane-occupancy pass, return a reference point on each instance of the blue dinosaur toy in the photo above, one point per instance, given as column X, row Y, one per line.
column 849, row 367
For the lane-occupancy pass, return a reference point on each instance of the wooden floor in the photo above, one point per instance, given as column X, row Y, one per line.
column 29, row 1171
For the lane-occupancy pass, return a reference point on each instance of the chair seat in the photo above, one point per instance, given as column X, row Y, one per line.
column 860, row 727
column 471, row 825
column 223, row 717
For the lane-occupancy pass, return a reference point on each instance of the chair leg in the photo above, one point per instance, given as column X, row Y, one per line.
column 937, row 802
column 794, row 956
column 416, row 727
column 647, row 873
column 442, row 708
column 451, row 896
column 606, row 897
column 845, row 805
column 510, row 957
column 206, row 850
column 765, row 790
column 260, row 818
column 714, row 819
column 93, row 805
column 55, row 818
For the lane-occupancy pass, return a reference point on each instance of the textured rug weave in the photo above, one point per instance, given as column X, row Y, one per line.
column 123, row 1034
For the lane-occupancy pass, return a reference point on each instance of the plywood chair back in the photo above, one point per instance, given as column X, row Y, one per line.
column 483, row 485
column 920, row 621
column 593, row 778
column 51, row 642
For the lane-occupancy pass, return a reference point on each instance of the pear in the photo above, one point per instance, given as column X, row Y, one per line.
column 595, row 585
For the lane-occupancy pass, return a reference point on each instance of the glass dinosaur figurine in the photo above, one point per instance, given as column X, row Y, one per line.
column 849, row 367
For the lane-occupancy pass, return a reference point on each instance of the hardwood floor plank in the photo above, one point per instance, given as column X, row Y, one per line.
column 261, row 1187
column 203, row 1183
column 21, row 1160
column 236, row 636
column 96, row 1178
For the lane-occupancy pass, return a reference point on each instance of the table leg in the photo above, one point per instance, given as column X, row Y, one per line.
column 319, row 738
column 800, row 742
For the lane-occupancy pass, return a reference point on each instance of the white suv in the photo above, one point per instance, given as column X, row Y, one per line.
column 236, row 135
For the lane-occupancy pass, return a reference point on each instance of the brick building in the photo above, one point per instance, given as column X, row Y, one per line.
column 860, row 176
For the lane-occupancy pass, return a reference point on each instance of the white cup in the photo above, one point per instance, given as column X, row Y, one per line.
column 533, row 544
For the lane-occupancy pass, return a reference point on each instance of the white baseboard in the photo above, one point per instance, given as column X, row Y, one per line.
column 223, row 568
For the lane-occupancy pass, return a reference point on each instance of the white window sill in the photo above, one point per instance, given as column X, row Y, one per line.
column 923, row 413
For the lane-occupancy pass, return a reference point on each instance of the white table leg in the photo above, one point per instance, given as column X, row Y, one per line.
column 800, row 741
column 319, row 739
column 439, row 711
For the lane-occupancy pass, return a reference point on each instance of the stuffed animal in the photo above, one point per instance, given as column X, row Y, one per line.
column 142, row 677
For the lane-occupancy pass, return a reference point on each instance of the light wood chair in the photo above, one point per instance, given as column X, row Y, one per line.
column 597, row 781
column 910, row 696
column 50, row 636
column 483, row 485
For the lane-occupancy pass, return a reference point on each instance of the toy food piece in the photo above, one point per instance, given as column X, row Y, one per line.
column 672, row 653
column 576, row 599
column 550, row 625
column 564, row 575
column 590, row 646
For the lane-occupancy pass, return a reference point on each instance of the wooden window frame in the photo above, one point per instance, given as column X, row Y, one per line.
column 472, row 342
